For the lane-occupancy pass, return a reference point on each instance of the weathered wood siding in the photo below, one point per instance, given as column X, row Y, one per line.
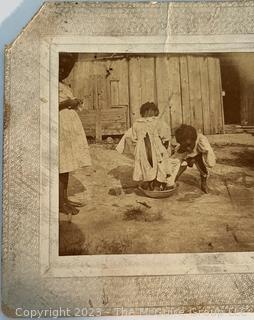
column 194, row 92
column 247, row 104
column 187, row 89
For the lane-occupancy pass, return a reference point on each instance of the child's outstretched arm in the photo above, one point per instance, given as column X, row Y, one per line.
column 164, row 134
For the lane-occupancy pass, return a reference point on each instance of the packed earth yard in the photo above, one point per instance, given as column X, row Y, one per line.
column 119, row 219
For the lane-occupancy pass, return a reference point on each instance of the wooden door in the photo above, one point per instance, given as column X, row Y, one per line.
column 105, row 99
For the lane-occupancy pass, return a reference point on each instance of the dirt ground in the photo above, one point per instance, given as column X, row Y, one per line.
column 118, row 218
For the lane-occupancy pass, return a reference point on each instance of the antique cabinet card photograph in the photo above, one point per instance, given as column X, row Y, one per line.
column 129, row 160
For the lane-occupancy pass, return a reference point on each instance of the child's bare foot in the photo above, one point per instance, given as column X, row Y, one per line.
column 144, row 185
column 75, row 203
column 204, row 186
column 151, row 186
column 157, row 188
column 169, row 188
column 68, row 209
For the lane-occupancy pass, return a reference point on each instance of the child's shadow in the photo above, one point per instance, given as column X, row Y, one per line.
column 190, row 180
column 71, row 239
column 124, row 175
column 75, row 186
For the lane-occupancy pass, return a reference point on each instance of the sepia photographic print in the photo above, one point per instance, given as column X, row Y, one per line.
column 128, row 160
column 155, row 153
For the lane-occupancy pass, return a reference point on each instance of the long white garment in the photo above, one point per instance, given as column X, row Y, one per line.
column 126, row 139
column 127, row 146
column 143, row 169
column 73, row 146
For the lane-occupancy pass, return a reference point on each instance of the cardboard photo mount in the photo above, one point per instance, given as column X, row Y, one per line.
column 35, row 277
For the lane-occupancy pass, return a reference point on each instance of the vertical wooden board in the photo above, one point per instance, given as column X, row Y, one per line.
column 98, row 125
column 114, row 92
column 122, row 66
column 175, row 92
column 119, row 73
column 102, row 92
column 89, row 74
column 250, row 106
column 243, row 99
column 111, row 79
column 215, row 93
column 135, row 88
column 81, row 79
column 185, row 94
column 124, row 88
column 162, row 88
column 88, row 94
column 97, row 108
column 99, row 71
column 204, row 79
column 147, row 80
column 220, row 105
column 93, row 81
column 247, row 103
column 81, row 82
column 195, row 93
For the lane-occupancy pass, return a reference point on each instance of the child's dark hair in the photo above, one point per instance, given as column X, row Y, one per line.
column 185, row 132
column 149, row 106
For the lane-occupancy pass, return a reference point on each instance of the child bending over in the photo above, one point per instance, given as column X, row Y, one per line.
column 194, row 148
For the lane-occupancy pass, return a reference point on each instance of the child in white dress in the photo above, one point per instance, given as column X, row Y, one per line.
column 152, row 163
column 73, row 146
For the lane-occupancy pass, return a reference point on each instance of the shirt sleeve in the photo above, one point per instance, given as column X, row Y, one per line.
column 205, row 148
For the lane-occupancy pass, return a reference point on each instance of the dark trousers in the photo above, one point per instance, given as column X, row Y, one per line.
column 198, row 161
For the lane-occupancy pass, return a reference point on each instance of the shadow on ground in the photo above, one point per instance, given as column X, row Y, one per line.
column 241, row 158
column 71, row 240
column 75, row 186
column 124, row 174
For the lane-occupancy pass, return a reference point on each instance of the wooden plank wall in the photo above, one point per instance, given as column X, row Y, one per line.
column 163, row 97
column 86, row 72
column 187, row 88
column 142, row 83
column 247, row 104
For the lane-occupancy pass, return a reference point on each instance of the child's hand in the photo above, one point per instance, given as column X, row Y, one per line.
column 69, row 104
column 75, row 103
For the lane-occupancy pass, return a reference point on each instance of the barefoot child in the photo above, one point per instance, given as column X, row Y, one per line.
column 73, row 146
column 151, row 156
column 126, row 144
column 194, row 148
